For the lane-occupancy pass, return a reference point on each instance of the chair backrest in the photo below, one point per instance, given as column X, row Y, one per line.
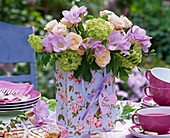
column 15, row 48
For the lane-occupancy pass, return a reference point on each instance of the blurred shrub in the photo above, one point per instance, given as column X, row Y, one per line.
column 152, row 15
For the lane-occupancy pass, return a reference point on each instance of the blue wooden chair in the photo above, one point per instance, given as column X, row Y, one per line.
column 15, row 48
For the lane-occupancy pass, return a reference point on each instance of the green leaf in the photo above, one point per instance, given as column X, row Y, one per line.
column 73, row 126
column 83, row 70
column 44, row 99
column 52, row 105
column 94, row 66
column 90, row 17
column 123, row 75
column 105, row 17
column 45, row 58
column 109, row 66
column 115, row 64
column 1, row 128
column 104, row 42
column 98, row 112
column 60, row 117
column 126, row 110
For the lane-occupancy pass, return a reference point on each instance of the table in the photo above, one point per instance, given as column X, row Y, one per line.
column 121, row 130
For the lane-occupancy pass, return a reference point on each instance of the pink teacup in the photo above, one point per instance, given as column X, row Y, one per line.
column 158, row 77
column 154, row 119
column 160, row 96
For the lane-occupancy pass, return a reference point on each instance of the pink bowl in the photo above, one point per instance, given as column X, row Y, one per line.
column 160, row 96
column 158, row 77
column 154, row 119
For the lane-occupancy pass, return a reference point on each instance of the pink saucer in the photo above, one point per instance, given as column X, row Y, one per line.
column 148, row 101
column 135, row 131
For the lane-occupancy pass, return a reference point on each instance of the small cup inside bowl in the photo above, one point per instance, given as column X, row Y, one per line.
column 154, row 119
column 160, row 96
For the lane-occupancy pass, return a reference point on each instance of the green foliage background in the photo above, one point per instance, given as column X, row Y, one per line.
column 152, row 15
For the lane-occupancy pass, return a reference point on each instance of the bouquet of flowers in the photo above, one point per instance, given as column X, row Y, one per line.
column 81, row 43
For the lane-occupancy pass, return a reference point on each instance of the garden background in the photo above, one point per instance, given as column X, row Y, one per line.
column 152, row 15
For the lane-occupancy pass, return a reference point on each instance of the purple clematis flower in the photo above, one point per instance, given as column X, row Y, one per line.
column 98, row 47
column 36, row 121
column 74, row 14
column 83, row 10
column 117, row 41
column 41, row 109
column 39, row 114
column 139, row 37
column 60, row 43
column 47, row 42
column 83, row 47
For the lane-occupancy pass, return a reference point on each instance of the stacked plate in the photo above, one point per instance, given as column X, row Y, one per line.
column 18, row 105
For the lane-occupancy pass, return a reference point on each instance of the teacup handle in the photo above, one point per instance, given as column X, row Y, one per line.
column 133, row 119
column 147, row 74
column 145, row 91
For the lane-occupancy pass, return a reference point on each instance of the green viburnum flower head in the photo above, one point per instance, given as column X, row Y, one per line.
column 134, row 58
column 98, row 29
column 69, row 60
column 36, row 43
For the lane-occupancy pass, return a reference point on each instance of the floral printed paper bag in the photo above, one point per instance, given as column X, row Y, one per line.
column 72, row 103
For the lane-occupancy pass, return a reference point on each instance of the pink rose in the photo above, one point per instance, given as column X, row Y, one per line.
column 78, row 80
column 108, row 80
column 99, row 123
column 63, row 96
column 64, row 132
column 93, row 90
column 69, row 119
column 80, row 99
column 80, row 127
column 109, row 122
column 75, row 107
column 90, row 120
column 60, row 74
column 70, row 77
column 114, row 79
column 92, row 80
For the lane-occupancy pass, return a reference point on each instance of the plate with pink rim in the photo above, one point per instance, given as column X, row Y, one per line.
column 16, row 108
column 139, row 133
column 18, row 105
column 34, row 95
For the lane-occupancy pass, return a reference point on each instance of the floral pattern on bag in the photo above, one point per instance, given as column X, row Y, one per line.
column 71, row 103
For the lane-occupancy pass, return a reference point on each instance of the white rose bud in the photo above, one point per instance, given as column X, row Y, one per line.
column 106, row 12
column 66, row 22
column 127, row 22
column 60, row 29
column 49, row 26
column 116, row 21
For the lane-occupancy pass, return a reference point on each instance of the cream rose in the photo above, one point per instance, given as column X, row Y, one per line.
column 127, row 22
column 106, row 12
column 49, row 26
column 103, row 58
column 80, row 52
column 111, row 25
column 66, row 22
column 116, row 21
column 77, row 40
column 60, row 29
